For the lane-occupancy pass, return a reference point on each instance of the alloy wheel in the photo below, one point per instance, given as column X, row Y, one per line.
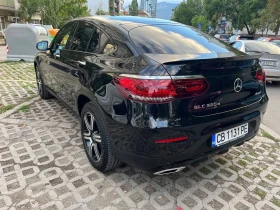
column 92, row 137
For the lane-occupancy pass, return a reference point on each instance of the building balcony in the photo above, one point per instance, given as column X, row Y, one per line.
column 7, row 5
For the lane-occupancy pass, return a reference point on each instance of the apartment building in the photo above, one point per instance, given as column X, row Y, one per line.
column 113, row 7
column 150, row 6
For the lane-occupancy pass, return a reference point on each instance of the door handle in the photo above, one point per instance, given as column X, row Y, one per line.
column 81, row 63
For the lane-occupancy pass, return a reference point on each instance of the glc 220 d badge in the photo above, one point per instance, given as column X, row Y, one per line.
column 207, row 106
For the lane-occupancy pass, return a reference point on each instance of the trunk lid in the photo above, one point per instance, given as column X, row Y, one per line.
column 232, row 80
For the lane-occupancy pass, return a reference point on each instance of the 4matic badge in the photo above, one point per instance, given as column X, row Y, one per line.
column 207, row 106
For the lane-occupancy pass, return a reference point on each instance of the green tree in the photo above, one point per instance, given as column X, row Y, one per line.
column 101, row 12
column 187, row 10
column 28, row 8
column 133, row 8
column 202, row 20
column 273, row 8
column 58, row 12
column 242, row 13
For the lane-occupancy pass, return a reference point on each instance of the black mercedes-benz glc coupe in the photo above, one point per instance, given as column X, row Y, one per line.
column 152, row 93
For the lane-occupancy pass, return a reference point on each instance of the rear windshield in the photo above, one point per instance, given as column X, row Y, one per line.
column 223, row 36
column 262, row 47
column 175, row 39
column 276, row 42
column 246, row 38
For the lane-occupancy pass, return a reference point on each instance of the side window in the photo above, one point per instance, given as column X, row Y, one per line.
column 82, row 36
column 62, row 37
column 114, row 49
column 93, row 46
column 237, row 45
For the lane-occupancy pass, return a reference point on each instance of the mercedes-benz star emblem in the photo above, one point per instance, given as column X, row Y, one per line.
column 238, row 85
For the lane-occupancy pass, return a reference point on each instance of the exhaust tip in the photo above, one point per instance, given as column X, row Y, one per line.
column 169, row 171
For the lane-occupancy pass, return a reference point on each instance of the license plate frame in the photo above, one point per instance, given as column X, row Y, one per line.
column 229, row 135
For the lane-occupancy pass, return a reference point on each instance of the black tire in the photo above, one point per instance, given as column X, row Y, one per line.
column 43, row 92
column 97, row 139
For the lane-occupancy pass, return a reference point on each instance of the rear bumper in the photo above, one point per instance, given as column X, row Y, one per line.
column 137, row 147
column 272, row 74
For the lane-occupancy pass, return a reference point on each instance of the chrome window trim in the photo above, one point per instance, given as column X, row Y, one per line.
column 161, row 77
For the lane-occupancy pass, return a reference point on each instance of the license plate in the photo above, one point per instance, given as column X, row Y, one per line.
column 229, row 135
column 268, row 63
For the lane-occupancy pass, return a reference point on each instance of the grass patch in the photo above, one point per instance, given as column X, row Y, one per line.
column 242, row 163
column 249, row 175
column 205, row 171
column 260, row 193
column 275, row 171
column 275, row 201
column 256, row 170
column 12, row 62
column 6, row 108
column 221, row 161
column 267, row 135
column 271, row 178
column 24, row 108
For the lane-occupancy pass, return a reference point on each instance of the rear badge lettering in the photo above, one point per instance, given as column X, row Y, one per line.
column 207, row 106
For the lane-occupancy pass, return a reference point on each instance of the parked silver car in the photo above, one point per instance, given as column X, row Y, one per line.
column 270, row 59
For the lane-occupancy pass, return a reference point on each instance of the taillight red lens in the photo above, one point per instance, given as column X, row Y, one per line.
column 260, row 75
column 238, row 38
column 191, row 87
column 157, row 90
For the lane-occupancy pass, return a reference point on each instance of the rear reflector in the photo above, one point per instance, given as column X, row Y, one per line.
column 260, row 75
column 159, row 89
column 162, row 141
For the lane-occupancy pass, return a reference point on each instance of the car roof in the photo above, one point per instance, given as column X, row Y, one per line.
column 127, row 22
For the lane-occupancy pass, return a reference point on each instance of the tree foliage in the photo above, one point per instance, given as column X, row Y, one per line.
column 133, row 8
column 101, row 12
column 187, row 10
column 241, row 13
column 28, row 9
column 199, row 19
column 53, row 12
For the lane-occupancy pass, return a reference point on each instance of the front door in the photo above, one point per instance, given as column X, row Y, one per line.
column 76, row 59
column 55, row 59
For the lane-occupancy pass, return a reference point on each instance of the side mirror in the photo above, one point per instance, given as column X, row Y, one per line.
column 42, row 46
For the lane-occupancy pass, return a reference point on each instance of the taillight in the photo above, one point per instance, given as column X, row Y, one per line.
column 260, row 75
column 159, row 89
column 238, row 38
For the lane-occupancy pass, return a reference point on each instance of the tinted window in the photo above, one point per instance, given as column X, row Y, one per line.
column 276, row 42
column 223, row 36
column 246, row 38
column 262, row 47
column 174, row 39
column 232, row 38
column 62, row 37
column 237, row 45
column 81, row 38
column 93, row 46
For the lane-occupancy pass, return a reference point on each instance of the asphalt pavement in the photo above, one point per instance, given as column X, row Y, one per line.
column 272, row 115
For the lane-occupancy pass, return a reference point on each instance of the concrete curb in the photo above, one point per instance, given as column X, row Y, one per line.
column 270, row 131
column 11, row 111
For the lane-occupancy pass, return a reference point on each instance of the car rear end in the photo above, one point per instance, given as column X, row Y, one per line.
column 270, row 57
column 202, row 98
